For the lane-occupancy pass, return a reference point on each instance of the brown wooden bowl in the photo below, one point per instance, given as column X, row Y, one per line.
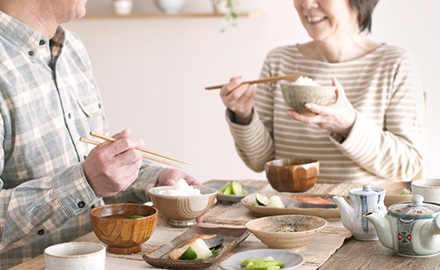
column 292, row 174
column 124, row 236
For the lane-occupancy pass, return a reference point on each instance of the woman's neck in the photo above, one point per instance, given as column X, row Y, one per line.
column 340, row 50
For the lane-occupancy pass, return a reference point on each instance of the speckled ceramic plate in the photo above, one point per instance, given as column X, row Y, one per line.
column 226, row 199
column 291, row 260
column 262, row 211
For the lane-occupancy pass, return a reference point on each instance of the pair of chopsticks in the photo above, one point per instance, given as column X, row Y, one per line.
column 110, row 139
column 271, row 79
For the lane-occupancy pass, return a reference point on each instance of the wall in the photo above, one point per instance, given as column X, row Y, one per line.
column 152, row 72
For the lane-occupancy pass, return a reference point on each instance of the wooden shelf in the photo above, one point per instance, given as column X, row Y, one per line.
column 162, row 15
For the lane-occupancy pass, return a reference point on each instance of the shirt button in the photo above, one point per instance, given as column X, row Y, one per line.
column 81, row 204
column 69, row 115
column 41, row 232
column 99, row 105
column 42, row 42
column 85, row 157
column 31, row 53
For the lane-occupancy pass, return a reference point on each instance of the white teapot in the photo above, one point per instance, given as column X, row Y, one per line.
column 363, row 199
column 411, row 229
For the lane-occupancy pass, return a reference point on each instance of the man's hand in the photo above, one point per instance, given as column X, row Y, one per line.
column 170, row 176
column 111, row 167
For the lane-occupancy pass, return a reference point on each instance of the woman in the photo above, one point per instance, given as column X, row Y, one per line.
column 373, row 131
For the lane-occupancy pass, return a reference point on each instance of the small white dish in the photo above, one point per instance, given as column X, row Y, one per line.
column 75, row 256
column 291, row 260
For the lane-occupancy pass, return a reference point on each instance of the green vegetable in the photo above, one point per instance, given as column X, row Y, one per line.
column 136, row 216
column 228, row 190
column 262, row 200
column 233, row 188
column 237, row 189
column 261, row 264
column 189, row 254
column 215, row 252
column 286, row 229
column 253, row 260
column 405, row 191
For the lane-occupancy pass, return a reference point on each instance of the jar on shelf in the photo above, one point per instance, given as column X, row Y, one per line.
column 122, row 7
column 170, row 6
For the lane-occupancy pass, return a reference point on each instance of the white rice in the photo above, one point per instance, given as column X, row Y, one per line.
column 305, row 81
column 181, row 188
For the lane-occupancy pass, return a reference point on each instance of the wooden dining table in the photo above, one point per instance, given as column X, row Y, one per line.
column 332, row 248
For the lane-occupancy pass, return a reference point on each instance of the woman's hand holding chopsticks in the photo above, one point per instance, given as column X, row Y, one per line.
column 237, row 97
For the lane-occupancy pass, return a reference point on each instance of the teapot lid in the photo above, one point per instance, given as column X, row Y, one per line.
column 366, row 190
column 416, row 209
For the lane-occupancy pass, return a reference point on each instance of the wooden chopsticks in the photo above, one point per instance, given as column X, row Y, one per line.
column 271, row 79
column 94, row 134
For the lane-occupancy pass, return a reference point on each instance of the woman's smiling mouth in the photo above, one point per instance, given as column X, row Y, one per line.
column 315, row 19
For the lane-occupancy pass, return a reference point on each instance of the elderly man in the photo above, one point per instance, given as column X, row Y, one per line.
column 50, row 180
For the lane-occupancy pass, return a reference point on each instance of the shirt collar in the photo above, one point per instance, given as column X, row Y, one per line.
column 25, row 38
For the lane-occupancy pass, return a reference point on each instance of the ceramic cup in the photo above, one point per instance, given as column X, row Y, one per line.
column 428, row 188
column 122, row 7
column 75, row 256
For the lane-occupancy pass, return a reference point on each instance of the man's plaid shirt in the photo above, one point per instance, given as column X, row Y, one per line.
column 48, row 100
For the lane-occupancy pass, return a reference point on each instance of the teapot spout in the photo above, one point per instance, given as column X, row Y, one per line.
column 347, row 212
column 383, row 228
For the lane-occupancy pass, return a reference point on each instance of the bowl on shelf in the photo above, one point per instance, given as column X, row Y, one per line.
column 170, row 6
column 292, row 232
column 124, row 227
column 182, row 210
column 297, row 96
column 292, row 174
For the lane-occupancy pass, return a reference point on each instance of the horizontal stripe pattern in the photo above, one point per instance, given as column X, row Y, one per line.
column 387, row 139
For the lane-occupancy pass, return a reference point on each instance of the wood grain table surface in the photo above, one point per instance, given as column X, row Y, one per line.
column 349, row 254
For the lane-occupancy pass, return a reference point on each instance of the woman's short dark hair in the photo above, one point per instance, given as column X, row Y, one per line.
column 365, row 8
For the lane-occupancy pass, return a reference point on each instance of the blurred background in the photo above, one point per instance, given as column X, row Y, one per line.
column 152, row 70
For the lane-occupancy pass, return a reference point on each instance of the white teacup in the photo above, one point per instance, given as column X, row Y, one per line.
column 75, row 256
column 428, row 188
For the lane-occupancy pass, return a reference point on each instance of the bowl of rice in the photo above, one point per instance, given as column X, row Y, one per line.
column 182, row 203
column 305, row 90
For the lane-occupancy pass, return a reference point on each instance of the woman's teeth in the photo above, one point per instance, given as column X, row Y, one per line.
column 315, row 19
